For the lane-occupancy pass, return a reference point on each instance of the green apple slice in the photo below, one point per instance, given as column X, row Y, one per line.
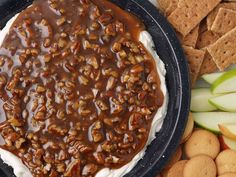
column 211, row 120
column 225, row 83
column 211, row 78
column 200, row 83
column 199, row 100
column 225, row 102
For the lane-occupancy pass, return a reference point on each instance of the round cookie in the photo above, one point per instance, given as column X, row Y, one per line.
column 177, row 169
column 226, row 162
column 188, row 129
column 175, row 158
column 202, row 142
column 200, row 166
column 228, row 175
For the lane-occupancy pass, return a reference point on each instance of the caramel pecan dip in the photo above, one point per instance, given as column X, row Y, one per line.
column 78, row 90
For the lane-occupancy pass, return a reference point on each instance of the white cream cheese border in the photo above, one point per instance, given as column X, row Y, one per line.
column 20, row 170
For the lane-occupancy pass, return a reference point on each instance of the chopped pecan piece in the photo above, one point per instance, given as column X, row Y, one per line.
column 89, row 169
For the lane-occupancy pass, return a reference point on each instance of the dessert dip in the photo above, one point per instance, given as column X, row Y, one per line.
column 82, row 90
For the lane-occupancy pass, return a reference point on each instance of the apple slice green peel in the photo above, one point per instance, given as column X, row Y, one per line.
column 211, row 120
column 225, row 102
column 225, row 83
column 199, row 100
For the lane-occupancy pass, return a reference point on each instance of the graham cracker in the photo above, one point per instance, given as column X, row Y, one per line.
column 206, row 38
column 211, row 17
column 225, row 21
column 195, row 58
column 208, row 65
column 189, row 14
column 223, row 51
column 173, row 4
column 163, row 5
column 191, row 38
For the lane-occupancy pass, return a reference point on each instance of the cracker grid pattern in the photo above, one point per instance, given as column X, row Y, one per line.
column 195, row 58
column 211, row 17
column 224, row 21
column 189, row 14
column 223, row 51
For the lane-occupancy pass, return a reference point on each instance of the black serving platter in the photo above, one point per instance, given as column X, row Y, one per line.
column 170, row 51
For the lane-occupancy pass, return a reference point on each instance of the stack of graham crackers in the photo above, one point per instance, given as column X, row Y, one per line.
column 207, row 31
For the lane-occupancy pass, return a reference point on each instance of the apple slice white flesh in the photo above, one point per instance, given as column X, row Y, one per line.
column 225, row 83
column 200, row 83
column 211, row 120
column 225, row 102
column 231, row 144
column 211, row 78
column 199, row 100
column 228, row 130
